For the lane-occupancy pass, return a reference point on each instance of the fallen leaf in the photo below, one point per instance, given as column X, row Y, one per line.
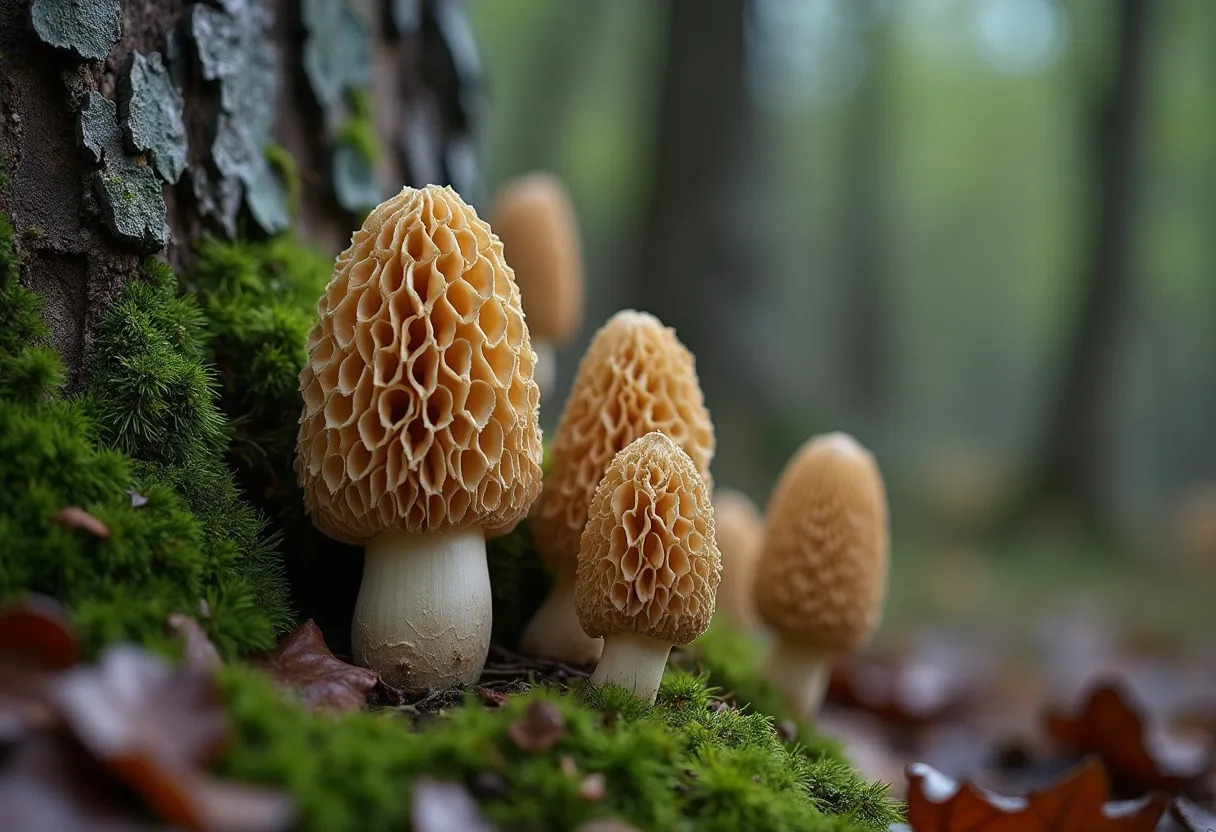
column 75, row 517
column 908, row 695
column 137, row 500
column 1192, row 817
column 1114, row 730
column 305, row 664
column 1077, row 803
column 541, row 727
column 36, row 632
column 49, row 785
column 593, row 788
column 491, row 698
column 200, row 653
column 445, row 807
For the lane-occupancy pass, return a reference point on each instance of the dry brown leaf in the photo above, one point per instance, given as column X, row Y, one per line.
column 36, row 633
column 1077, row 803
column 75, row 517
column 1113, row 729
column 305, row 664
column 541, row 727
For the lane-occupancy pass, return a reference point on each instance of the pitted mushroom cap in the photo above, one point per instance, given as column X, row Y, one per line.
column 822, row 574
column 649, row 564
column 636, row 377
column 535, row 220
column 420, row 412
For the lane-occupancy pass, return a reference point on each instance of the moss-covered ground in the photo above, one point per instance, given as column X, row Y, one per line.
column 181, row 443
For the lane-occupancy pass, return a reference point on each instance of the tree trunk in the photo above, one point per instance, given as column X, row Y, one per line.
column 1072, row 469
column 699, row 270
column 248, row 76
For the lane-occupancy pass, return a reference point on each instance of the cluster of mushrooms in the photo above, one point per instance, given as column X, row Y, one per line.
column 419, row 440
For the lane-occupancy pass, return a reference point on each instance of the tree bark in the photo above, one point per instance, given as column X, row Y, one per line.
column 699, row 269
column 1072, row 468
column 424, row 87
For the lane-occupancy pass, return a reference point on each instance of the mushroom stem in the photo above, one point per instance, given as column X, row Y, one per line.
column 545, row 370
column 424, row 610
column 555, row 632
column 633, row 662
column 800, row 676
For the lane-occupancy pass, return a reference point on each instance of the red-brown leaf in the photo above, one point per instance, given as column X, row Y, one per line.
column 1111, row 728
column 491, row 698
column 36, row 633
column 1077, row 803
column 75, row 517
column 305, row 664
column 541, row 727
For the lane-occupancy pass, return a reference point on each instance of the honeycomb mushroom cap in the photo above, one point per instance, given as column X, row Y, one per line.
column 535, row 220
column 636, row 377
column 420, row 412
column 649, row 563
column 822, row 574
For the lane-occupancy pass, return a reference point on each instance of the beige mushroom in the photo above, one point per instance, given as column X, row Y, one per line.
column 740, row 537
column 534, row 218
column 636, row 377
column 822, row 575
column 419, row 435
column 648, row 569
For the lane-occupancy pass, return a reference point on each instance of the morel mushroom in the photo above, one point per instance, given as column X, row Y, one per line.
column 635, row 378
column 822, row 574
column 419, row 435
column 648, row 569
column 740, row 537
column 535, row 220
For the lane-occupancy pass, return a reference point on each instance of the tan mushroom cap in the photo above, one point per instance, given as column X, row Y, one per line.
column 822, row 574
column 636, row 377
column 649, row 563
column 534, row 218
column 740, row 533
column 420, row 412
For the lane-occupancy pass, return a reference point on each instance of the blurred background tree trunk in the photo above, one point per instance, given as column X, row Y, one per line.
column 1071, row 471
column 701, row 269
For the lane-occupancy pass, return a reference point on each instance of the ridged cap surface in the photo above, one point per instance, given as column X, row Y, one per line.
column 649, row 563
column 636, row 377
column 822, row 575
column 420, row 412
column 535, row 220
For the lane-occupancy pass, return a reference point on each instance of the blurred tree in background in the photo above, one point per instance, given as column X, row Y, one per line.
column 976, row 233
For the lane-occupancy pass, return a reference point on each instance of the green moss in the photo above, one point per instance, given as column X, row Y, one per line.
column 287, row 170
column 146, row 426
column 358, row 131
column 33, row 233
column 682, row 764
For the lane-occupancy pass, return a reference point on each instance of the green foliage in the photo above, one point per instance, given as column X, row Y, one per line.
column 285, row 167
column 146, row 428
column 358, row 131
column 519, row 583
column 680, row 765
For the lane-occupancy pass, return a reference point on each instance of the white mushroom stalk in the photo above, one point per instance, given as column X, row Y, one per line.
column 425, row 600
column 419, row 436
column 799, row 675
column 648, row 568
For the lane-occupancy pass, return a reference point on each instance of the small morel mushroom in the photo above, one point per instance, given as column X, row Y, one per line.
column 636, row 377
column 535, row 220
column 649, row 568
column 740, row 536
column 822, row 574
column 419, row 435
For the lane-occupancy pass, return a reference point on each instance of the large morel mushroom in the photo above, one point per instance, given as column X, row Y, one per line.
column 419, row 435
